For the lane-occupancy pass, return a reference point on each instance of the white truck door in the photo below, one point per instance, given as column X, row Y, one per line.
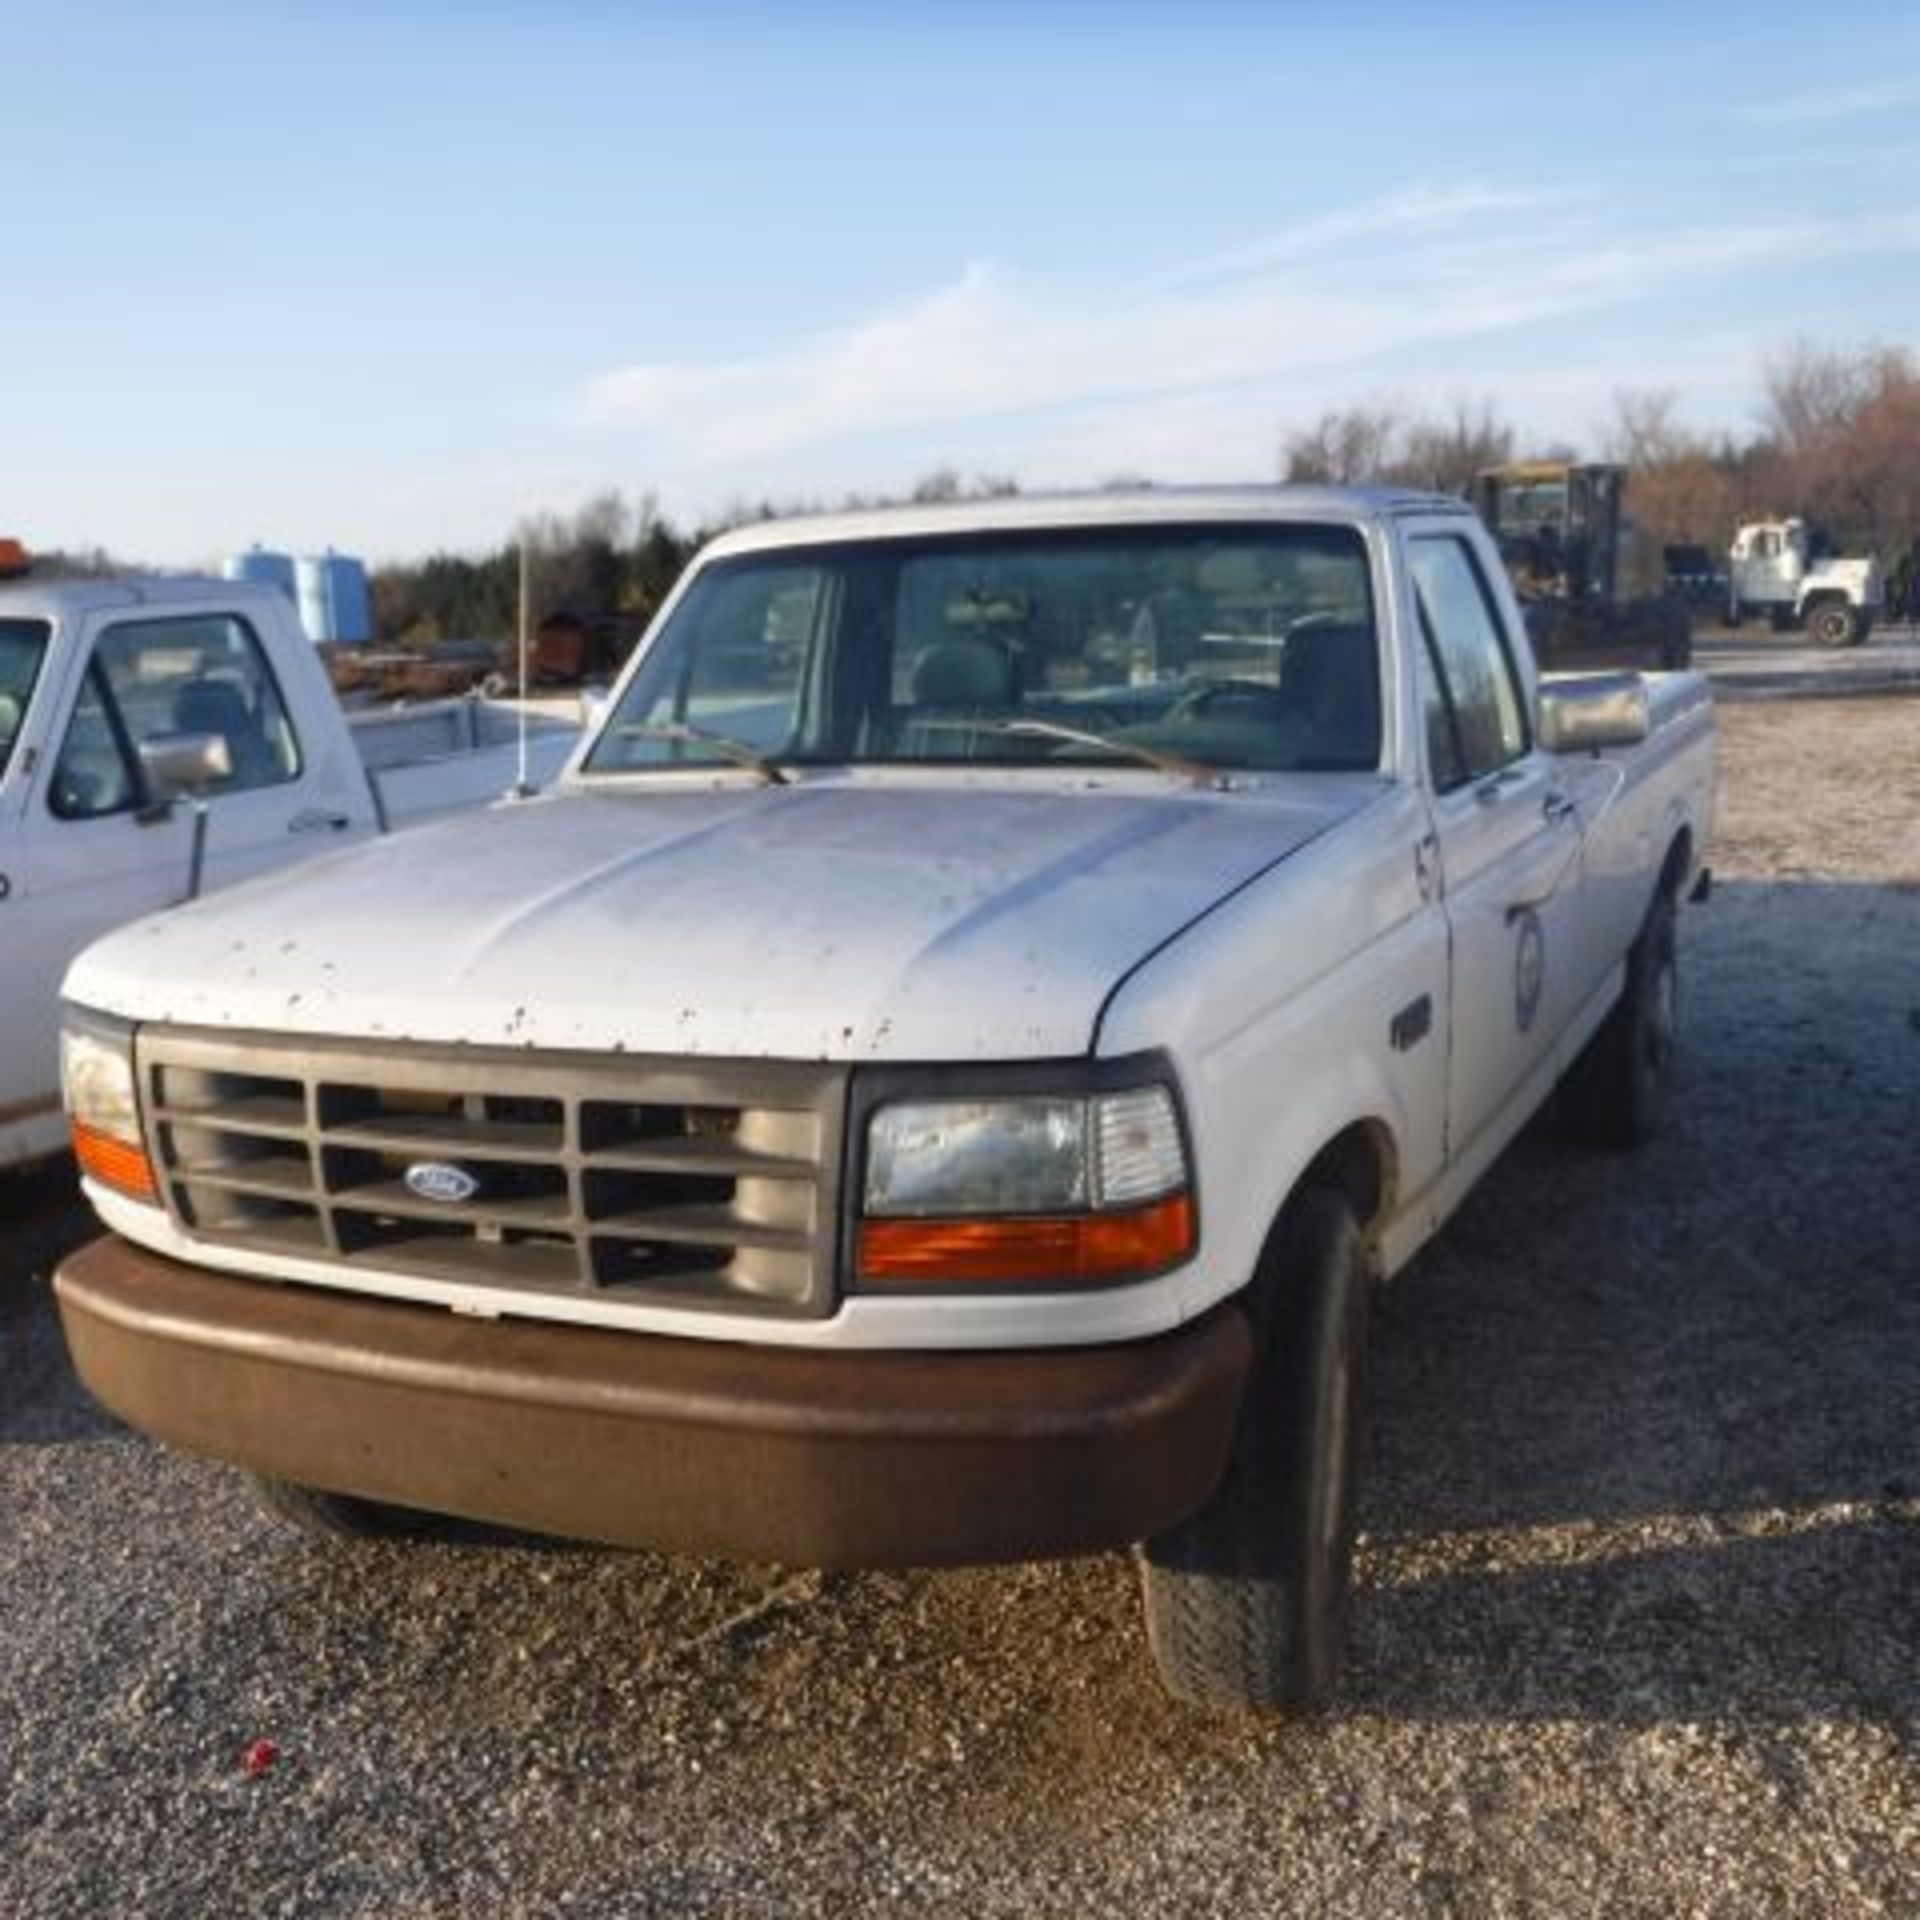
column 1509, row 840
column 93, row 850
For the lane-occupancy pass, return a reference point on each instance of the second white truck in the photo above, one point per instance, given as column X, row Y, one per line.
column 940, row 1078
column 1774, row 572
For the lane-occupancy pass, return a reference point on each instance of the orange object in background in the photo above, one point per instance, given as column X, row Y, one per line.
column 15, row 561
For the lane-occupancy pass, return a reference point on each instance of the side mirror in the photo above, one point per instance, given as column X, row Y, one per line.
column 1593, row 712
column 180, row 763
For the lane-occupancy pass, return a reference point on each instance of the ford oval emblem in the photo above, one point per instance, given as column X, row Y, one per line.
column 437, row 1180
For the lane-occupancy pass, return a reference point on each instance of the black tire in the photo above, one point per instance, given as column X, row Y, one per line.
column 1246, row 1602
column 338, row 1516
column 1676, row 636
column 1616, row 1094
column 1833, row 623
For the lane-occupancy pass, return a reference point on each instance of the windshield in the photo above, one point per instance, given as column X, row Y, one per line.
column 1525, row 506
column 23, row 643
column 1217, row 647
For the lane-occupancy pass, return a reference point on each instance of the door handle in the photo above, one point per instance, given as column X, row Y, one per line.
column 1555, row 805
column 318, row 820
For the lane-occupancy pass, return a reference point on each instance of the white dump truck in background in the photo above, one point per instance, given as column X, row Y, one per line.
column 1774, row 572
column 162, row 737
column 937, row 1079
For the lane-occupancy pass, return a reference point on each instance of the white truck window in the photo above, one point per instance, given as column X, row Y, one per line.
column 148, row 678
column 1467, row 655
column 23, row 643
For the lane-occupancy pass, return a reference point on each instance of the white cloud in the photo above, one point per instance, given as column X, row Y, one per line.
column 1006, row 360
column 1415, row 212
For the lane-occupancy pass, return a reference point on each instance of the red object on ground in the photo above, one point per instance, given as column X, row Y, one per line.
column 259, row 1756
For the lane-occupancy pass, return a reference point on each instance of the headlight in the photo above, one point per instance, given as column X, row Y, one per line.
column 1026, row 1188
column 103, row 1106
column 979, row 1156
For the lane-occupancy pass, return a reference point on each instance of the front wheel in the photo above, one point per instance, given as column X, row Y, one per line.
column 1246, row 1602
column 337, row 1516
column 1833, row 623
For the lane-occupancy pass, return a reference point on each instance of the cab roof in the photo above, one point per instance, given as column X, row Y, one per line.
column 33, row 598
column 1142, row 506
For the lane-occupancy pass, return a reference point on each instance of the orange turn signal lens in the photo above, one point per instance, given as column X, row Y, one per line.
column 114, row 1163
column 1072, row 1248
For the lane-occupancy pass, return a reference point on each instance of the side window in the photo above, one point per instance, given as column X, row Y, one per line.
column 1475, row 678
column 150, row 678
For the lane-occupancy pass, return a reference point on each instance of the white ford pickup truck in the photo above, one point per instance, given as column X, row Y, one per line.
column 937, row 1081
column 158, row 737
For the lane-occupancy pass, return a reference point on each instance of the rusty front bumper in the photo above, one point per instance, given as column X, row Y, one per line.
column 841, row 1459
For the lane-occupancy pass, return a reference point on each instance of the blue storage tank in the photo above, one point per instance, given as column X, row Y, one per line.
column 333, row 598
column 262, row 563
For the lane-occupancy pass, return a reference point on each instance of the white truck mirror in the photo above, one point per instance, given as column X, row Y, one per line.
column 180, row 763
column 1595, row 711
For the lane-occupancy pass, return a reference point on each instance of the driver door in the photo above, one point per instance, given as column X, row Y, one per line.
column 1509, row 840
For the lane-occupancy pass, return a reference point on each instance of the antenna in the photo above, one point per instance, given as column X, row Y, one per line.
column 522, row 787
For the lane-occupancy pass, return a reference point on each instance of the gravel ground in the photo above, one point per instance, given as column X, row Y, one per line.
column 1640, row 1582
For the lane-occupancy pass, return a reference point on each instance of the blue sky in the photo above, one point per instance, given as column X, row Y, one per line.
column 389, row 277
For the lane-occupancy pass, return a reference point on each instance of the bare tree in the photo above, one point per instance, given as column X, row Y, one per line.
column 1383, row 444
column 1346, row 448
column 1678, row 490
column 1644, row 430
column 1445, row 455
column 1843, row 433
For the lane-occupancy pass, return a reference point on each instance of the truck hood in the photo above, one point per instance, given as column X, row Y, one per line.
column 831, row 919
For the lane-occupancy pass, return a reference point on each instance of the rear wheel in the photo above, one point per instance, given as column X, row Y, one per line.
column 1616, row 1093
column 338, row 1515
column 1246, row 1602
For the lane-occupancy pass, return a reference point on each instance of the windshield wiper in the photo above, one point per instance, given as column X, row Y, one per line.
column 726, row 747
column 1175, row 763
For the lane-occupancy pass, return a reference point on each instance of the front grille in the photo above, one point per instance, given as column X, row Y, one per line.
column 670, row 1181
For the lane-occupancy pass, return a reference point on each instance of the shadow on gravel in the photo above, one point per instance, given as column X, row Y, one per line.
column 1647, row 1431
column 1812, row 1623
